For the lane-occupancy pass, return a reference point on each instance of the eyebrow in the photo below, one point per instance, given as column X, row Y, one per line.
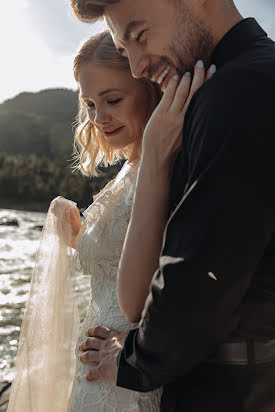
column 103, row 92
column 108, row 91
column 131, row 26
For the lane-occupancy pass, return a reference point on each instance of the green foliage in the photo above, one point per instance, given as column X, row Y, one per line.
column 33, row 178
column 36, row 141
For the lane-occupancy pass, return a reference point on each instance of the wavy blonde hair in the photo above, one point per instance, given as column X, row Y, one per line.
column 90, row 146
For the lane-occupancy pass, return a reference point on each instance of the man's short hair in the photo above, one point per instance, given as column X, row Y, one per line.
column 91, row 10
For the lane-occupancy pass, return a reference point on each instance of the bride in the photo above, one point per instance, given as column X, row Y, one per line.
column 118, row 107
column 114, row 110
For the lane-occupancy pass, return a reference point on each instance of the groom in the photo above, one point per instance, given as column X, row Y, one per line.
column 208, row 326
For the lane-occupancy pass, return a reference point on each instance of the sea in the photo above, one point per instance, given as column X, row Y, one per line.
column 18, row 247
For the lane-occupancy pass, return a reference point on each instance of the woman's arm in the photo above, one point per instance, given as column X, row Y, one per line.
column 143, row 242
column 140, row 255
column 75, row 221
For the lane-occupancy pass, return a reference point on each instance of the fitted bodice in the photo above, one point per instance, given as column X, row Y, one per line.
column 99, row 249
column 101, row 244
column 106, row 224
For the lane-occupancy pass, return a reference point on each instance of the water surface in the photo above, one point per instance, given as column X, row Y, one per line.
column 18, row 246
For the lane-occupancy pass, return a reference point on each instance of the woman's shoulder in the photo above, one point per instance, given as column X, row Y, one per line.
column 119, row 190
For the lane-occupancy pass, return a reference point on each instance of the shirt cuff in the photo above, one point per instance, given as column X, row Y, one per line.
column 127, row 376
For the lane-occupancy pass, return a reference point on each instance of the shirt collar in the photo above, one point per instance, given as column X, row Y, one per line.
column 236, row 40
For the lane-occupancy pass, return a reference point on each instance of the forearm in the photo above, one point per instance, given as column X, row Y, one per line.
column 143, row 242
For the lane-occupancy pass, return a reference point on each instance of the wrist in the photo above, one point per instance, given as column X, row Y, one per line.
column 153, row 168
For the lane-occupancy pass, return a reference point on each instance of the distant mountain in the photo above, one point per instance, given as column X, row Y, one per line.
column 39, row 123
column 36, row 141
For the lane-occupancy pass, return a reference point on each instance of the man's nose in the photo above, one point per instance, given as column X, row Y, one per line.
column 139, row 64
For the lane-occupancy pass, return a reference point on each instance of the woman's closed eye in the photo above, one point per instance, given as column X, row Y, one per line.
column 114, row 101
column 140, row 34
column 91, row 106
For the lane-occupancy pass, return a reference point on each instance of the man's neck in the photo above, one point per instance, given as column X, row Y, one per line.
column 221, row 20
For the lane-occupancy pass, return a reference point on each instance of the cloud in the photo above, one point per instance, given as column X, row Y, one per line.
column 54, row 23
column 39, row 39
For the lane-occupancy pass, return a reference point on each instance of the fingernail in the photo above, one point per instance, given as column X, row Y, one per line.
column 188, row 74
column 200, row 64
column 176, row 77
column 213, row 69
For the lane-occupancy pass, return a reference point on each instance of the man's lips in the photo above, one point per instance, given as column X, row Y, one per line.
column 163, row 75
column 166, row 80
column 112, row 132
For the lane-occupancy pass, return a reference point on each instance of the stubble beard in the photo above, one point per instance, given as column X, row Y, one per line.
column 192, row 42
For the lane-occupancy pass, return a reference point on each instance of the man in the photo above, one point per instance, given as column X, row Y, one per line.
column 207, row 329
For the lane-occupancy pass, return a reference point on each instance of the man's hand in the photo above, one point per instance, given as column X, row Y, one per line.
column 102, row 347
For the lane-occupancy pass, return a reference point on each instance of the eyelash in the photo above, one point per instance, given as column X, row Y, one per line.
column 139, row 36
column 113, row 102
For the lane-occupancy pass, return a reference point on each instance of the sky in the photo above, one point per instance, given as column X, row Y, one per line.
column 39, row 38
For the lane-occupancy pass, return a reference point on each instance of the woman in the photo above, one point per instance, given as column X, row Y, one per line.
column 114, row 110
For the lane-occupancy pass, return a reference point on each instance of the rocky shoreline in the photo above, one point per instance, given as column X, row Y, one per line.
column 27, row 205
column 5, row 387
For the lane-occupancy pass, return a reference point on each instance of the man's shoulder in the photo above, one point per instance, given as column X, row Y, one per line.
column 237, row 103
column 252, row 70
column 249, row 88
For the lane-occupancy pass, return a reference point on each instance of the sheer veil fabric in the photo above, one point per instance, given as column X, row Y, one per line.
column 45, row 363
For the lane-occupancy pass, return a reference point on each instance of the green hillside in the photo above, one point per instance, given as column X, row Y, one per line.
column 39, row 123
column 36, row 142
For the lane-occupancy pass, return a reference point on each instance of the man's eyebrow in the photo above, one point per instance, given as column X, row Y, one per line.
column 131, row 26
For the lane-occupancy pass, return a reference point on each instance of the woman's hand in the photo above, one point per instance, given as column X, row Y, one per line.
column 163, row 134
column 68, row 219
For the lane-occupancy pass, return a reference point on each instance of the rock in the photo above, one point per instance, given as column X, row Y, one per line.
column 8, row 222
column 4, row 395
column 38, row 227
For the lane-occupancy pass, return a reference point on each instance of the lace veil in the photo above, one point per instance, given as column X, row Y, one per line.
column 45, row 362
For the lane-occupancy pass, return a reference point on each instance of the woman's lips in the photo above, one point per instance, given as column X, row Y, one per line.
column 113, row 132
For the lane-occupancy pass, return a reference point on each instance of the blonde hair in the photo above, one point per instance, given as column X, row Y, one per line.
column 90, row 146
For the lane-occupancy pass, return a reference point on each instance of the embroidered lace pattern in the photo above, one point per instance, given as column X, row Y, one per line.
column 99, row 252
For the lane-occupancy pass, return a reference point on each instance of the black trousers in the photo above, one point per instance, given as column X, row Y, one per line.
column 223, row 388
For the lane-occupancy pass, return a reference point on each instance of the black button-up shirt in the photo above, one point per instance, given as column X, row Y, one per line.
column 216, row 280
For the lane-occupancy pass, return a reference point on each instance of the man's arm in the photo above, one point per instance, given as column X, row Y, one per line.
column 219, row 230
column 161, row 141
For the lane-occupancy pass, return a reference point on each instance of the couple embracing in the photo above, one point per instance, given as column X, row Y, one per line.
column 180, row 246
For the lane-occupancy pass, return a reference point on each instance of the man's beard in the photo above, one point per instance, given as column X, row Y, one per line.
column 192, row 42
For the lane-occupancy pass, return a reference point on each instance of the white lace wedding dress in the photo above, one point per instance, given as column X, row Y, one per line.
column 102, row 236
